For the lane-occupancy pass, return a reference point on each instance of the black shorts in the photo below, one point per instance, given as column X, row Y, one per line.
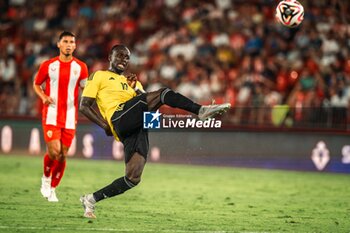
column 128, row 124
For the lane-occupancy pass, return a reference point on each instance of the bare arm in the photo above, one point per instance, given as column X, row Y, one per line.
column 45, row 98
column 86, row 108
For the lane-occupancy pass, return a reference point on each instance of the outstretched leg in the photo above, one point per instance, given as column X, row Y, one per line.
column 169, row 97
column 128, row 125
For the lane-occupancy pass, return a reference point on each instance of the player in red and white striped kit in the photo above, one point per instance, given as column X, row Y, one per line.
column 62, row 76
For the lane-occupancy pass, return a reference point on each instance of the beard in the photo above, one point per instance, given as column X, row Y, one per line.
column 67, row 54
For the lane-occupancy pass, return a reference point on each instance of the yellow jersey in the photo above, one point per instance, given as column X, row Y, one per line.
column 111, row 91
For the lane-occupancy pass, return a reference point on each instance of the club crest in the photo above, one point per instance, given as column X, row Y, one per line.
column 49, row 133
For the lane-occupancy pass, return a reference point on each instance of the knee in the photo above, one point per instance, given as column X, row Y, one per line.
column 61, row 158
column 134, row 176
column 54, row 153
column 134, row 168
column 135, row 179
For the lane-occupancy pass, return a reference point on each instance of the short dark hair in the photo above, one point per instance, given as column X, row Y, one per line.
column 65, row 33
column 117, row 47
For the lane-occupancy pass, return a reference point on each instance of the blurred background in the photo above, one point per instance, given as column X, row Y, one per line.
column 229, row 51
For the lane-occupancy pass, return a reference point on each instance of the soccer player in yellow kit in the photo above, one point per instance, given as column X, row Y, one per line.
column 121, row 101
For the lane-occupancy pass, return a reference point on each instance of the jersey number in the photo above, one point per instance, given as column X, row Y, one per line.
column 124, row 86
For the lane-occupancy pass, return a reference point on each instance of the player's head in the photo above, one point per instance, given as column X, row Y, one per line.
column 119, row 57
column 66, row 43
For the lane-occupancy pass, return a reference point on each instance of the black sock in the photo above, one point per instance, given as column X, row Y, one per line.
column 117, row 187
column 176, row 100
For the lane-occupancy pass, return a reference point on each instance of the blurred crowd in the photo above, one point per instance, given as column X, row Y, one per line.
column 222, row 50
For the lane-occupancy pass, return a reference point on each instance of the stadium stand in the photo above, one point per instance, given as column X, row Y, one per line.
column 215, row 49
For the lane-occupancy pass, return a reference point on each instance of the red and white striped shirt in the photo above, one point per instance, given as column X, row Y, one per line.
column 62, row 80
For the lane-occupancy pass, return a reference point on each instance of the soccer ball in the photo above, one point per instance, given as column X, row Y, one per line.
column 290, row 13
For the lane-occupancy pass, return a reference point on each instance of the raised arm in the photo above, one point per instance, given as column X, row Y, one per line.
column 132, row 82
column 86, row 108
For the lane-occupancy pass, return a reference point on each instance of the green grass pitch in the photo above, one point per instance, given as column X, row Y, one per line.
column 175, row 198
